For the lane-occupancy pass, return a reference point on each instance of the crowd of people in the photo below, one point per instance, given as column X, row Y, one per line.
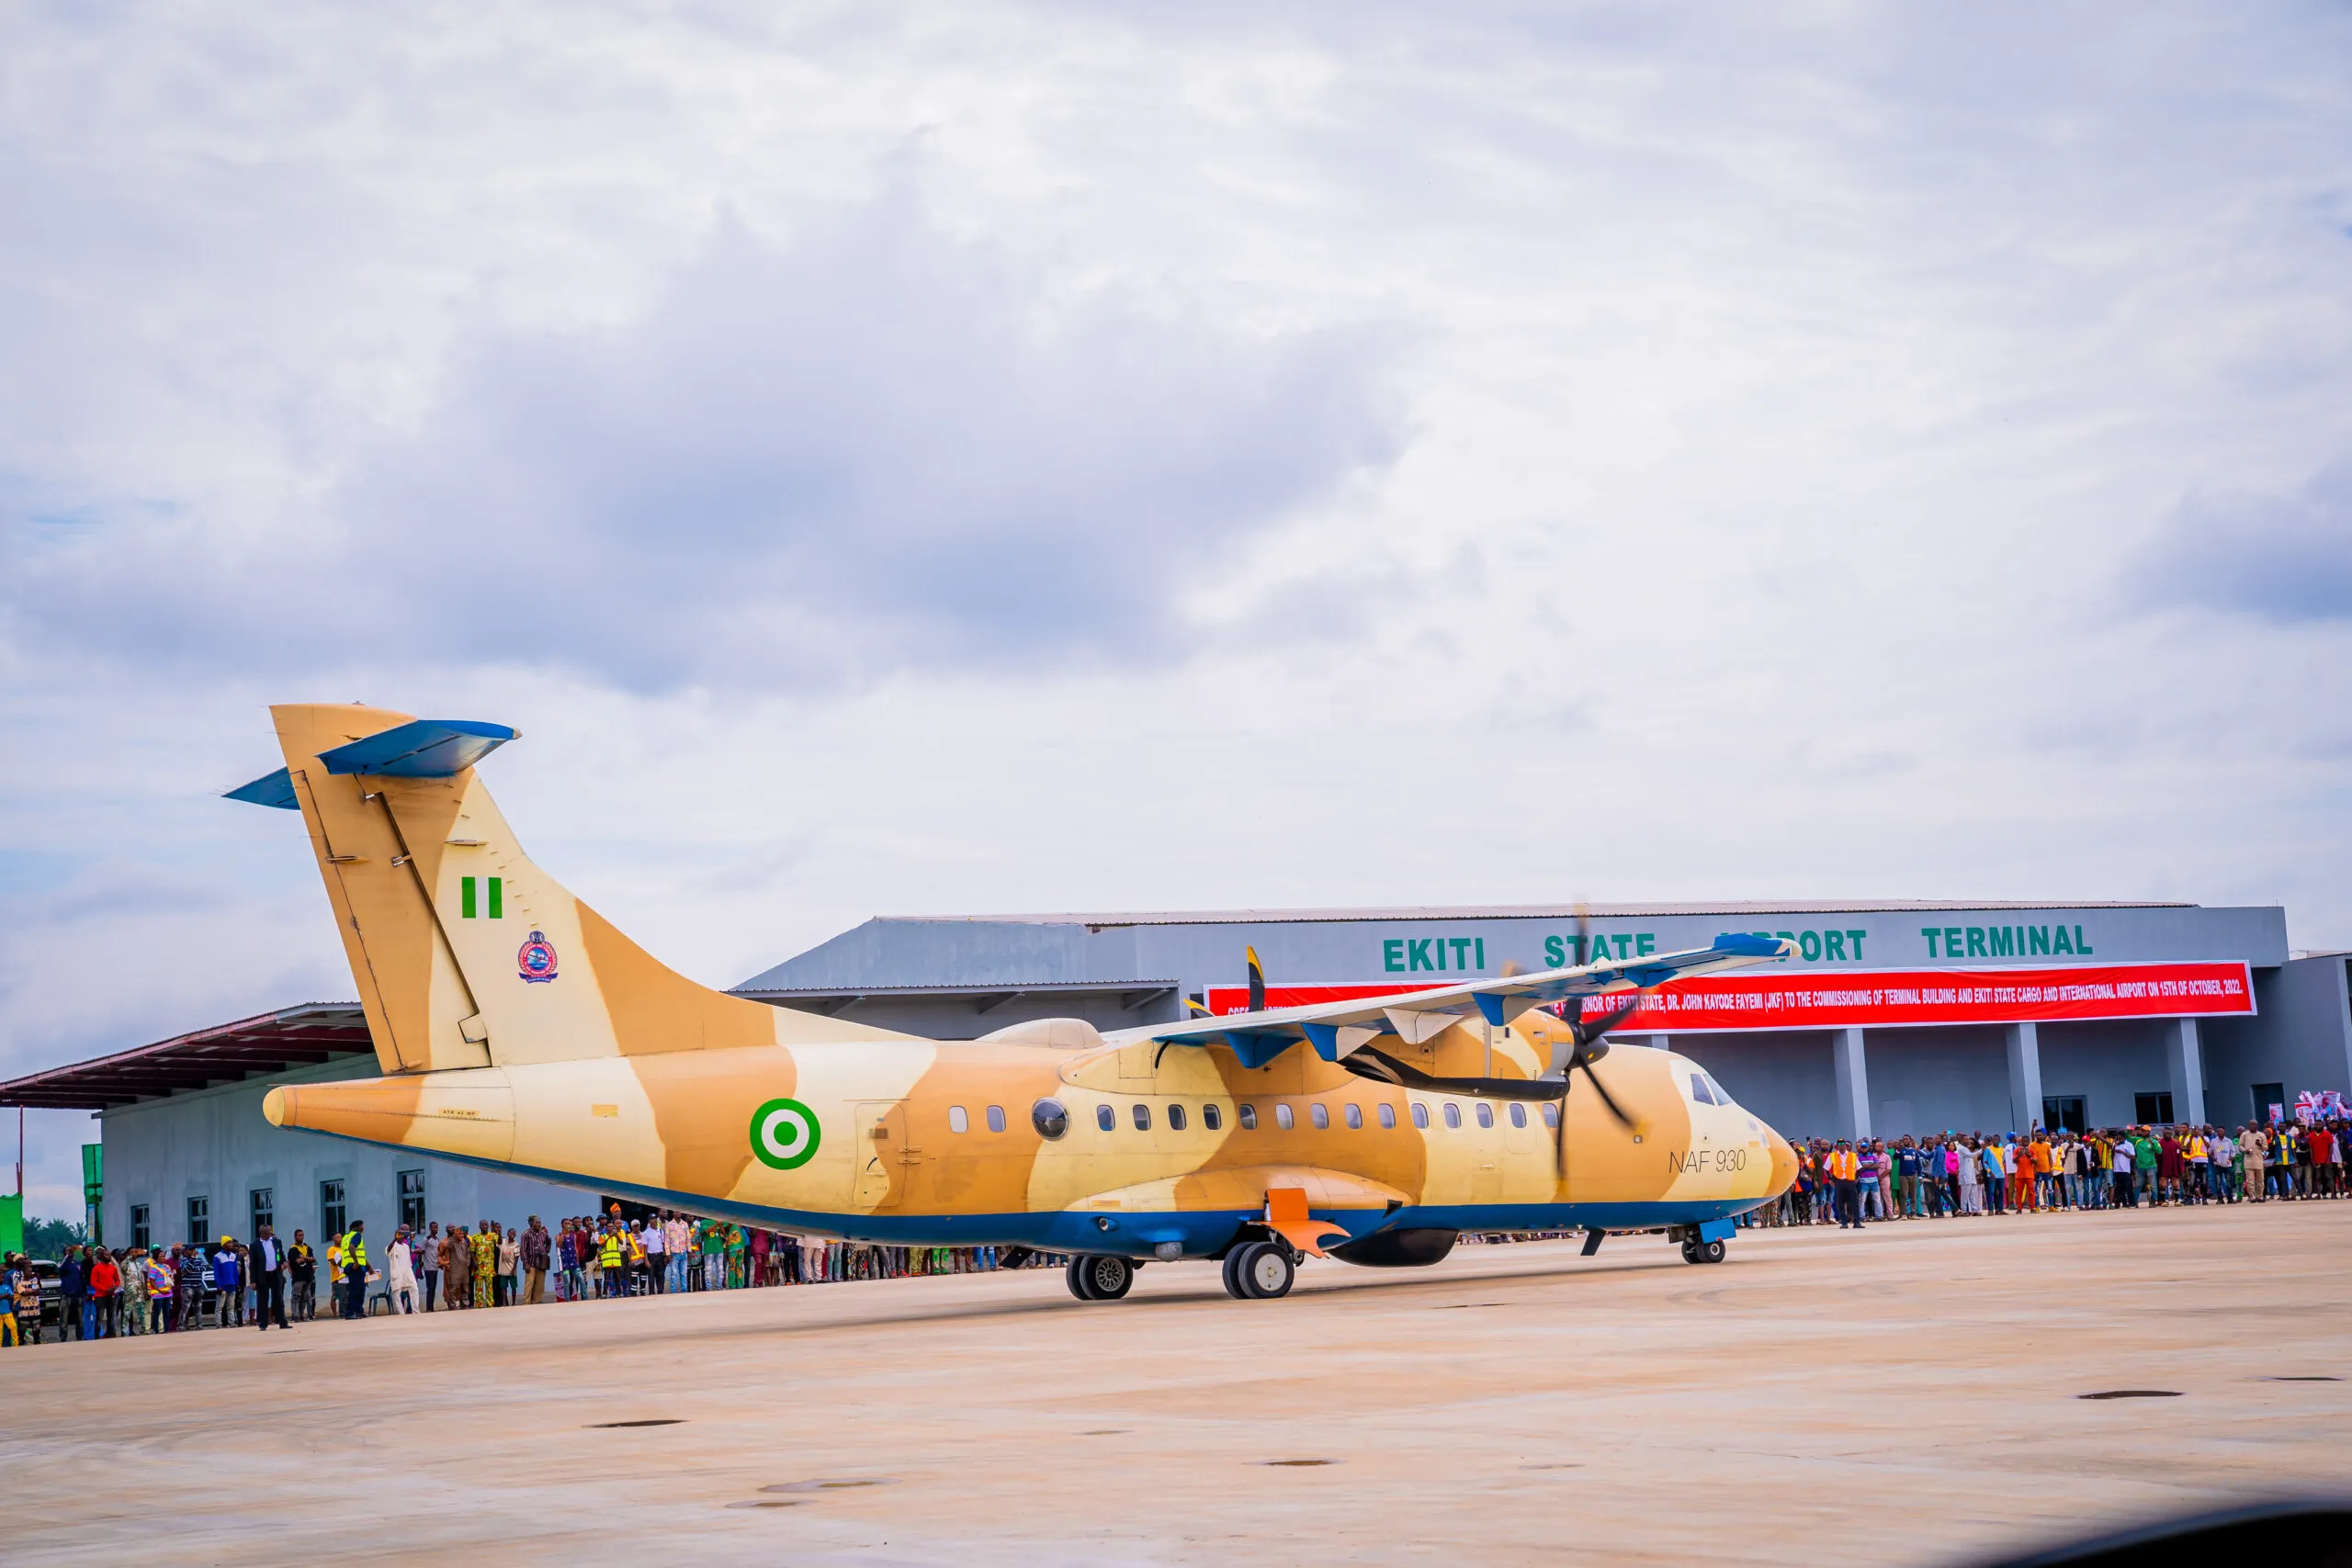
column 101, row 1294
column 1849, row 1182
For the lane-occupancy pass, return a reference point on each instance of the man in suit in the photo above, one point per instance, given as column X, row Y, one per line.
column 268, row 1264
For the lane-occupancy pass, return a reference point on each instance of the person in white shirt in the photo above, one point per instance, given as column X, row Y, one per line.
column 656, row 1242
column 400, row 1273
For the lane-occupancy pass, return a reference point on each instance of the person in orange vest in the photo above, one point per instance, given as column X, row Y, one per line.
column 1844, row 1169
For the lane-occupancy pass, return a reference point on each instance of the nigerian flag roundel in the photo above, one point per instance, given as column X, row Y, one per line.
column 784, row 1134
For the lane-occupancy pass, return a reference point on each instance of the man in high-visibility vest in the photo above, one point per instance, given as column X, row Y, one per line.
column 355, row 1270
column 612, row 1257
column 1844, row 1169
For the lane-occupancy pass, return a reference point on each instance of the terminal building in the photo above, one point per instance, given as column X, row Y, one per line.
column 1895, row 1018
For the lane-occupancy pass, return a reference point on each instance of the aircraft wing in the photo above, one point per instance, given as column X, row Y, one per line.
column 1336, row 1028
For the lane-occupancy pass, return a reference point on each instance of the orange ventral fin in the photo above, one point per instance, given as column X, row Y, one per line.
column 1286, row 1216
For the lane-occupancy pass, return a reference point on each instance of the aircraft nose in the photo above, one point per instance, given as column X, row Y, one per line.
column 1784, row 1164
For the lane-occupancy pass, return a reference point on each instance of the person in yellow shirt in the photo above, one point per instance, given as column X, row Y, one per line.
column 483, row 1246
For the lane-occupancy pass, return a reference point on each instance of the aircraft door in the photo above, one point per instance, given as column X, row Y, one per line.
column 1527, row 1151
column 883, row 1155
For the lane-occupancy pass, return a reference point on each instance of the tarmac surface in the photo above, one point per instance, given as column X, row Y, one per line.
column 1911, row 1394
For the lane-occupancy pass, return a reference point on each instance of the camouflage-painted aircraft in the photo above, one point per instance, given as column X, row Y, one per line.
column 516, row 1028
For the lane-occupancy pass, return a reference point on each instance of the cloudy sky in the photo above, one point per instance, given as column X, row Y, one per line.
column 990, row 457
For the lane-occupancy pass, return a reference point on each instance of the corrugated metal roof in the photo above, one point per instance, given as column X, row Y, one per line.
column 266, row 1042
column 1598, row 911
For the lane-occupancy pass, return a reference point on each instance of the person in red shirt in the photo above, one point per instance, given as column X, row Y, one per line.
column 106, row 1293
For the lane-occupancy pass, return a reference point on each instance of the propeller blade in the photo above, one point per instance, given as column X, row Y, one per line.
column 1257, row 981
column 1381, row 1067
column 1602, row 1090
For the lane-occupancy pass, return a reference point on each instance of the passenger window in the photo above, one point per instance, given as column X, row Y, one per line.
column 1486, row 1114
column 1248, row 1117
column 1551, row 1114
column 1105, row 1118
column 996, row 1118
column 1355, row 1118
column 1282, row 1114
column 1143, row 1117
column 1175, row 1118
column 1211, row 1117
column 957, row 1120
column 1453, row 1114
column 1420, row 1115
column 1387, row 1114
column 1517, row 1114
column 1319, row 1114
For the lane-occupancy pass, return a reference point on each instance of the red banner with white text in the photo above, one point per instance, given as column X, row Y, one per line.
column 1882, row 999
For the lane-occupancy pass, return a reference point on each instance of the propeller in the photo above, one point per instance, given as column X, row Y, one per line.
column 1257, row 981
column 1588, row 1046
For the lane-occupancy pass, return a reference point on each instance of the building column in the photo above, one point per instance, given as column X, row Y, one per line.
column 2025, row 1077
column 1660, row 1042
column 2185, row 1064
column 1853, row 1085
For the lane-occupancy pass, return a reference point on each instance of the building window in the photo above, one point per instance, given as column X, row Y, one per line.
column 1551, row 1114
column 331, row 1208
column 1420, row 1116
column 1105, row 1118
column 1319, row 1114
column 1354, row 1114
column 957, row 1120
column 1282, row 1114
column 1388, row 1115
column 996, row 1118
column 413, row 1200
column 1453, row 1114
column 2267, row 1094
column 199, row 1221
column 1486, row 1114
column 140, row 1238
column 1517, row 1114
column 1175, row 1118
column 2064, row 1112
column 260, row 1209
column 1143, row 1117
column 1211, row 1117
column 1248, row 1117
column 2152, row 1110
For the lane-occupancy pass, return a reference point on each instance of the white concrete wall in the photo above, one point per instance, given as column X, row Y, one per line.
column 214, row 1143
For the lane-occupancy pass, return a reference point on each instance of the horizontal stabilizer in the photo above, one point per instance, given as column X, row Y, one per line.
column 270, row 789
column 421, row 749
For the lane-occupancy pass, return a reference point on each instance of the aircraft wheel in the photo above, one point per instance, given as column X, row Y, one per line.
column 1709, row 1252
column 1266, row 1271
column 1108, row 1279
column 1077, row 1276
column 1233, row 1285
column 1689, row 1252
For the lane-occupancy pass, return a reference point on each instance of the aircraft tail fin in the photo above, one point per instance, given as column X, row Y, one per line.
column 465, row 953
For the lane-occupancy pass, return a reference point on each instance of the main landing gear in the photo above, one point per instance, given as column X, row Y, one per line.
column 1703, row 1252
column 1100, row 1278
column 1259, row 1271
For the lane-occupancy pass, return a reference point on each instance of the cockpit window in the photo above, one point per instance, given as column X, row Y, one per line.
column 1716, row 1090
column 1699, row 1091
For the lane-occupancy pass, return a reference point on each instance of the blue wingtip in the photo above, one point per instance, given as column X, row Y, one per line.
column 421, row 749
column 1747, row 944
column 270, row 789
